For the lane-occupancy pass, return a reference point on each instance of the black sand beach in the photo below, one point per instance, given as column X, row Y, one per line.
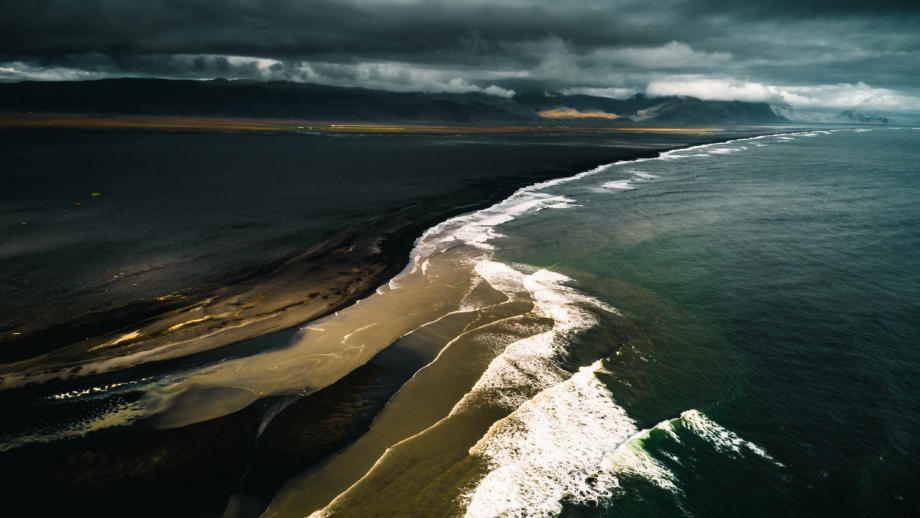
column 193, row 247
column 267, row 230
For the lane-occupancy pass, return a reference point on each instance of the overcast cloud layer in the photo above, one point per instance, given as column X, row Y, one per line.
column 807, row 53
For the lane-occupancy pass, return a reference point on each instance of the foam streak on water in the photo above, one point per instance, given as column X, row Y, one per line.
column 725, row 441
column 530, row 365
column 632, row 458
column 573, row 444
column 550, row 450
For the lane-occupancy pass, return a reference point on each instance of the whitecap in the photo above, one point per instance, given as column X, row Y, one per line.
column 550, row 450
column 572, row 443
column 478, row 228
column 619, row 184
column 632, row 459
column 529, row 365
column 722, row 439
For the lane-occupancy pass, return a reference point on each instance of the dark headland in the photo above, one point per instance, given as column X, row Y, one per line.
column 132, row 247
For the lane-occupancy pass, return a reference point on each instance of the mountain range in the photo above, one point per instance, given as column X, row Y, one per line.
column 831, row 116
column 298, row 101
column 861, row 117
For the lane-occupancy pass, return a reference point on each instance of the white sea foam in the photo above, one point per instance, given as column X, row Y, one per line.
column 550, row 447
column 550, row 450
column 723, row 440
column 694, row 151
column 502, row 277
column 529, row 365
column 477, row 229
column 631, row 459
column 572, row 443
column 558, row 181
column 618, row 184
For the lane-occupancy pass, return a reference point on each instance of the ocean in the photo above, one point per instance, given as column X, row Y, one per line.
column 726, row 329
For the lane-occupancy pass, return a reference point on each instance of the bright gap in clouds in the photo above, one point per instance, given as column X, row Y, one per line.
column 837, row 95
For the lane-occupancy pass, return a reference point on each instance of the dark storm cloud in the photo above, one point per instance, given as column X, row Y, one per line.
column 616, row 46
column 785, row 9
column 283, row 27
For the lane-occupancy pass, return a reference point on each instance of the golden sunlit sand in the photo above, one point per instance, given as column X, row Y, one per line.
column 569, row 113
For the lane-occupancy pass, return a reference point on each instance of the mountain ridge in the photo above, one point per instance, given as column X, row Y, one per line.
column 285, row 100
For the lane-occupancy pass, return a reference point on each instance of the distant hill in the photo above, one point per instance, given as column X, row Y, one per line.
column 828, row 116
column 277, row 100
column 860, row 117
column 545, row 101
column 283, row 100
column 659, row 110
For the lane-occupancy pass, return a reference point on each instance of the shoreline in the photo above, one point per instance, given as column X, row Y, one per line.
column 77, row 121
column 355, row 399
column 337, row 273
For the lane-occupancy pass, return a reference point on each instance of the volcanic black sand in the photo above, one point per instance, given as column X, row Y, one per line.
column 132, row 254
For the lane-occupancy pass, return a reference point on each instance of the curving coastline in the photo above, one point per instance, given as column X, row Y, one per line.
column 260, row 299
column 389, row 255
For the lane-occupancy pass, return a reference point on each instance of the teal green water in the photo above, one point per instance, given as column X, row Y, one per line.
column 778, row 280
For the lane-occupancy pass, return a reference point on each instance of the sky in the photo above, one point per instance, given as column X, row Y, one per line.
column 804, row 53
